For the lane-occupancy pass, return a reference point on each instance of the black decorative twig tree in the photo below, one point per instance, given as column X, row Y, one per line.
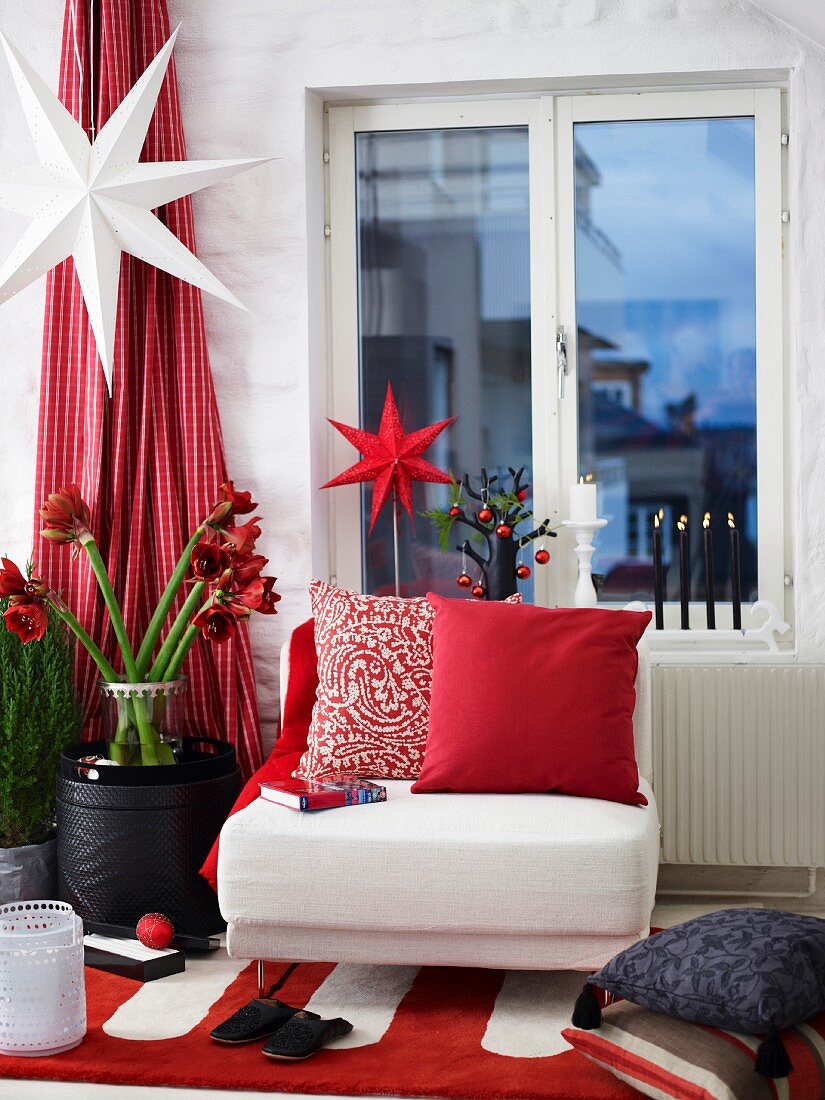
column 499, row 543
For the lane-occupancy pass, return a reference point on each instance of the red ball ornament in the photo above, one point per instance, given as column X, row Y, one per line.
column 454, row 511
column 463, row 580
column 522, row 572
column 504, row 530
column 155, row 930
column 521, row 496
column 484, row 515
column 542, row 556
column 479, row 591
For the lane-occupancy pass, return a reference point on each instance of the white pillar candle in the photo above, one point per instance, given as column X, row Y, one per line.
column 583, row 503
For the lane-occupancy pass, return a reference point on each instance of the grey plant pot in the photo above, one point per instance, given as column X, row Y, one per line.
column 28, row 873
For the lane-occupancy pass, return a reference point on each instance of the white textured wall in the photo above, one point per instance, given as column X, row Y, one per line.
column 244, row 69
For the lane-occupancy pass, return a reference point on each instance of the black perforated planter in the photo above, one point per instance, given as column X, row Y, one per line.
column 132, row 841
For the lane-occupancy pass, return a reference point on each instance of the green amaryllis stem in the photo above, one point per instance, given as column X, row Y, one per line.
column 149, row 740
column 148, row 750
column 150, row 639
column 99, row 569
column 94, row 651
column 170, row 643
column 179, row 656
column 125, row 721
column 148, row 735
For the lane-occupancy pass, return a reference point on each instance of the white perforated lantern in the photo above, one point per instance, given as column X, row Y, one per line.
column 42, row 992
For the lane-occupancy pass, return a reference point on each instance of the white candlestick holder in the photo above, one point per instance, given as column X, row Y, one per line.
column 584, row 530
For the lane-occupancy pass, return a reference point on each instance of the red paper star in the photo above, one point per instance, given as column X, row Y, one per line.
column 391, row 458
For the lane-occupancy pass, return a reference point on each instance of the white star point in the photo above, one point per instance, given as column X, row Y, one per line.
column 93, row 201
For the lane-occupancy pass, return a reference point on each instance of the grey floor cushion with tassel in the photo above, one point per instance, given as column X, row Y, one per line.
column 755, row 971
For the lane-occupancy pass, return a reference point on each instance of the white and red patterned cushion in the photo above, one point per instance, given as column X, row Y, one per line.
column 375, row 662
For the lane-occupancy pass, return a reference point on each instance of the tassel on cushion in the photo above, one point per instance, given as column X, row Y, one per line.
column 587, row 1013
column 771, row 1058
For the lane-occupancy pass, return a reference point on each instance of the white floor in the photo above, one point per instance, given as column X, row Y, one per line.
column 60, row 1090
column 664, row 915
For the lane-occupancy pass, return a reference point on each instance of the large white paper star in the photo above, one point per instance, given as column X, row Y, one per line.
column 92, row 201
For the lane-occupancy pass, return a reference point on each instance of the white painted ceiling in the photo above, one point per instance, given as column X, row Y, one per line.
column 807, row 16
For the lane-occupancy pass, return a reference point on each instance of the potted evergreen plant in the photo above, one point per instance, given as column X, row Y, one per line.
column 131, row 837
column 38, row 718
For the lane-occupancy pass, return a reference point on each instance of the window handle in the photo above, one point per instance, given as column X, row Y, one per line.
column 561, row 359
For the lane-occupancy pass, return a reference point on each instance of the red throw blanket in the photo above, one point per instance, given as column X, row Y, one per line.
column 297, row 708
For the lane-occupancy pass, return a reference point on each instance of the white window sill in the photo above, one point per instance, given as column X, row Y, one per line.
column 768, row 641
column 722, row 654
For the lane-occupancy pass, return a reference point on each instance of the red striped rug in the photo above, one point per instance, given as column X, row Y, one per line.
column 434, row 1031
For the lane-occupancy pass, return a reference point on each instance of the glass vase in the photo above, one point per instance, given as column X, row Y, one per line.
column 132, row 711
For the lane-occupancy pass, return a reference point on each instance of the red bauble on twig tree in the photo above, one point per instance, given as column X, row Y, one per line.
column 502, row 525
column 391, row 460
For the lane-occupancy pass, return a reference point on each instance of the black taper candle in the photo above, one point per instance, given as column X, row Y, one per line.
column 710, row 592
column 658, row 574
column 735, row 578
column 684, row 571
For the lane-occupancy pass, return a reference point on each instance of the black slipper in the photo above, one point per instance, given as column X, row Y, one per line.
column 303, row 1036
column 256, row 1020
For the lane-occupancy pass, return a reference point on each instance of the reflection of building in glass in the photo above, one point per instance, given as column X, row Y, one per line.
column 666, row 420
column 444, row 313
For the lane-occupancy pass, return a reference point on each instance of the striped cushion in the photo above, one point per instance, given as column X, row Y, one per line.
column 665, row 1057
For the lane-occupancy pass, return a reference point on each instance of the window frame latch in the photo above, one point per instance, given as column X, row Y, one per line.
column 561, row 358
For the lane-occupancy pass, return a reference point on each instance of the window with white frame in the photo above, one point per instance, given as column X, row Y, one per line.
column 646, row 229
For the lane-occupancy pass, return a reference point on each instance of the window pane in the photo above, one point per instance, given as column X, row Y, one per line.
column 666, row 289
column 444, row 315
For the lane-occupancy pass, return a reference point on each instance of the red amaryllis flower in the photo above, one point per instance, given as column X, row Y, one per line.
column 269, row 597
column 208, row 561
column 243, row 600
column 66, row 515
column 230, row 503
column 242, row 502
column 216, row 623
column 219, row 514
column 27, row 620
column 241, row 539
column 13, row 583
column 247, row 567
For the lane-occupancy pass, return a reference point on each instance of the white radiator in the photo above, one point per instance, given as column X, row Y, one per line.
column 739, row 764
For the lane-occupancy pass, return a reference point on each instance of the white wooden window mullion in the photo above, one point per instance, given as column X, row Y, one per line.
column 770, row 366
column 543, row 323
column 344, row 503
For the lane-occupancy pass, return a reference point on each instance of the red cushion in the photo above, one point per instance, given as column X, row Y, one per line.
column 373, row 699
column 292, row 742
column 526, row 699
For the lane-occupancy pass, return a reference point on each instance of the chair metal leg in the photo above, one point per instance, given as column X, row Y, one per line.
column 262, row 977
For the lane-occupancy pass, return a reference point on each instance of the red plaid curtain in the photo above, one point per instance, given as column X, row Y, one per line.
column 149, row 459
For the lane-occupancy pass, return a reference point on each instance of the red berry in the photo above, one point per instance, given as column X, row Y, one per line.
column 463, row 580
column 504, row 530
column 521, row 496
column 522, row 572
column 484, row 515
column 542, row 556
column 454, row 511
column 479, row 591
